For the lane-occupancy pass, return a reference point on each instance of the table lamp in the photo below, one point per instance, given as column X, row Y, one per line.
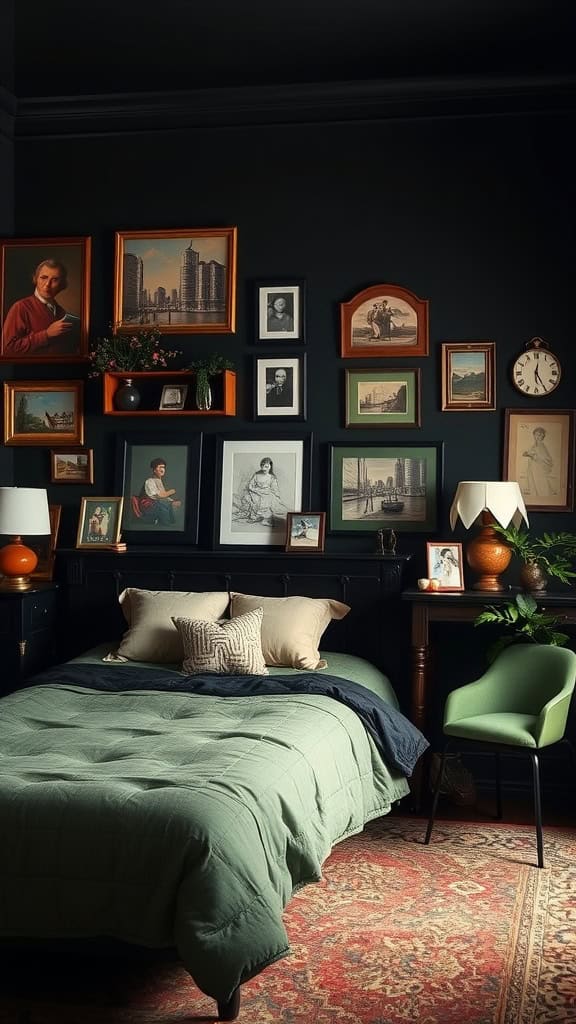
column 491, row 501
column 23, row 512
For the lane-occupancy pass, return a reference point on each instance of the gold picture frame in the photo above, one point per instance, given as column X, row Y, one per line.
column 46, row 412
column 99, row 523
column 468, row 376
column 72, row 466
column 176, row 281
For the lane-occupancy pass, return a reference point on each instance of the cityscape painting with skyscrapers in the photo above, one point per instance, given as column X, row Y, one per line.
column 176, row 281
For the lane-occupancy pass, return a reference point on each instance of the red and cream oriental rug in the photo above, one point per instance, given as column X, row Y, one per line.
column 464, row 931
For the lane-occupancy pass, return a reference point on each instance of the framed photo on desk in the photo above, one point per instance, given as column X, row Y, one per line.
column 444, row 559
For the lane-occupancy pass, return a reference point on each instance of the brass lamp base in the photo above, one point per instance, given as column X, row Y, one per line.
column 488, row 555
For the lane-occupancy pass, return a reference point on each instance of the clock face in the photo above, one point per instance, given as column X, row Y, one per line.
column 536, row 372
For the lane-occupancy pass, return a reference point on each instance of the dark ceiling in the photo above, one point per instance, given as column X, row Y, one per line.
column 123, row 46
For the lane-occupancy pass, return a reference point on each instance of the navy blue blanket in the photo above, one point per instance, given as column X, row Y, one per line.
column 398, row 740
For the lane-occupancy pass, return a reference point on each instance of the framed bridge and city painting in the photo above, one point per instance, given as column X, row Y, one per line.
column 178, row 281
column 374, row 487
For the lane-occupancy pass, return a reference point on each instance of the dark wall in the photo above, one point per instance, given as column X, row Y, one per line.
column 7, row 112
column 475, row 214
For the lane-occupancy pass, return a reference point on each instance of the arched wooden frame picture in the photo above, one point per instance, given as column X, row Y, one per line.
column 384, row 320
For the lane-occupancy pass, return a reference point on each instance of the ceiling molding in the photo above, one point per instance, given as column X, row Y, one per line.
column 7, row 114
column 53, row 116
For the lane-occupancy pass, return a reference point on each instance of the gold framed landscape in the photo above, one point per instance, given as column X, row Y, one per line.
column 177, row 281
column 72, row 466
column 43, row 412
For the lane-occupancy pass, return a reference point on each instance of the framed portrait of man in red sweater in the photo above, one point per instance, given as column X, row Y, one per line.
column 44, row 300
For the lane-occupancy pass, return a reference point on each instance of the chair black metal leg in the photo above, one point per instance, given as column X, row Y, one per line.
column 499, row 812
column 231, row 1009
column 439, row 781
column 537, row 806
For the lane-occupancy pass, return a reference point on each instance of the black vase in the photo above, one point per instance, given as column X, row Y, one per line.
column 127, row 397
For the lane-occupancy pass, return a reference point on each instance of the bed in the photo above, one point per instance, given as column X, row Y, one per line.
column 166, row 809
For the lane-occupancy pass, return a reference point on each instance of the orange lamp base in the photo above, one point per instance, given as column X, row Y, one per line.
column 488, row 555
column 16, row 563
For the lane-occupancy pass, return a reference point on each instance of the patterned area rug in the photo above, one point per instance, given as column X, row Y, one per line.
column 465, row 931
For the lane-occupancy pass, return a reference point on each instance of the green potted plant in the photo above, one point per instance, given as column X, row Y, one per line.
column 524, row 623
column 204, row 369
column 551, row 555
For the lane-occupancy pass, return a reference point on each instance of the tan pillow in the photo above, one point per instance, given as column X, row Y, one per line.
column 232, row 647
column 152, row 636
column 291, row 627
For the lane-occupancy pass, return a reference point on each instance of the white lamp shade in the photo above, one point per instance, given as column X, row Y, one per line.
column 502, row 498
column 24, row 511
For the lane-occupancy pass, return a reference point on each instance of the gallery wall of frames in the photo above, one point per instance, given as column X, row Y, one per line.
column 310, row 335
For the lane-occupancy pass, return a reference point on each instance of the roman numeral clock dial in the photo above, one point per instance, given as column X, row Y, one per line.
column 537, row 371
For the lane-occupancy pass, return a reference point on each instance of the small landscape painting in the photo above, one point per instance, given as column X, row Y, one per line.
column 468, row 376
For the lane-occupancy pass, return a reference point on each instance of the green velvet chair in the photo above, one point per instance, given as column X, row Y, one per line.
column 520, row 703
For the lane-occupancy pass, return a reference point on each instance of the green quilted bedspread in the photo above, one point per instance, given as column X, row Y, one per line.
column 177, row 819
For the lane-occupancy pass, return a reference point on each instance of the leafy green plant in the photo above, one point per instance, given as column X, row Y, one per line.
column 204, row 370
column 138, row 350
column 553, row 552
column 525, row 622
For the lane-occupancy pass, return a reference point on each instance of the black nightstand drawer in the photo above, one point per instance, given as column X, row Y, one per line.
column 27, row 631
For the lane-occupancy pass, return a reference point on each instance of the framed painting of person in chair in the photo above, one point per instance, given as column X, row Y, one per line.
column 160, row 484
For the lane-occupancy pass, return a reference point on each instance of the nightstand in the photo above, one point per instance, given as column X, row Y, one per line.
column 27, row 632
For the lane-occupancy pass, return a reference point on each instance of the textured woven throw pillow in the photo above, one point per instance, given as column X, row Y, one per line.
column 233, row 647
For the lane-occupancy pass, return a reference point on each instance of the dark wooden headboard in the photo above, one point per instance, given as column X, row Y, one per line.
column 371, row 584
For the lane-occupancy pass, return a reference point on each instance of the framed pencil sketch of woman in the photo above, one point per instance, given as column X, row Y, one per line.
column 539, row 454
column 44, row 300
column 258, row 483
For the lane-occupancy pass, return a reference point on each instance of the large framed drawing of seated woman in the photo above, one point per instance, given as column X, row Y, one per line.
column 539, row 454
column 258, row 482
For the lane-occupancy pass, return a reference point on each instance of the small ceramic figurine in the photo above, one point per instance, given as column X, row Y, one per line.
column 385, row 542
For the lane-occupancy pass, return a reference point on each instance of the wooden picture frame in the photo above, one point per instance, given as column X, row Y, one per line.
column 44, row 412
column 280, row 388
column 539, row 455
column 72, row 466
column 382, row 398
column 177, row 281
column 145, row 518
column 280, row 310
column 258, row 482
column 384, row 320
column 305, row 532
column 468, row 376
column 44, row 299
column 373, row 487
column 445, row 563
column 99, row 523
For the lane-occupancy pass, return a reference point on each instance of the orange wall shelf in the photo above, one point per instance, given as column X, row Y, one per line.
column 150, row 384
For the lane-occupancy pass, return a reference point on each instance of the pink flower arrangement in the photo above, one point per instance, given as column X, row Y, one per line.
column 125, row 352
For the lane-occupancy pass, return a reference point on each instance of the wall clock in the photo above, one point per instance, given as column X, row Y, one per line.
column 537, row 371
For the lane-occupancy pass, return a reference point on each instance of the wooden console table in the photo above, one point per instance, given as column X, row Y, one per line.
column 460, row 606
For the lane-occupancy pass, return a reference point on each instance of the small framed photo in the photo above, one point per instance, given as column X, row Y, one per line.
column 280, row 311
column 445, row 564
column 305, row 531
column 280, row 388
column 539, row 455
column 44, row 299
column 43, row 412
column 382, row 398
column 468, row 376
column 173, row 397
column 177, row 281
column 384, row 320
column 72, row 466
column 99, row 522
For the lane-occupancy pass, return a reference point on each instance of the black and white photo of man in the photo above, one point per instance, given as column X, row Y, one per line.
column 279, row 387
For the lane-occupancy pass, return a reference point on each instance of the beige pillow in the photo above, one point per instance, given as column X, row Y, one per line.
column 232, row 647
column 291, row 627
column 152, row 636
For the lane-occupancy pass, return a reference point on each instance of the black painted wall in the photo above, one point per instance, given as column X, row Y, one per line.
column 476, row 214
